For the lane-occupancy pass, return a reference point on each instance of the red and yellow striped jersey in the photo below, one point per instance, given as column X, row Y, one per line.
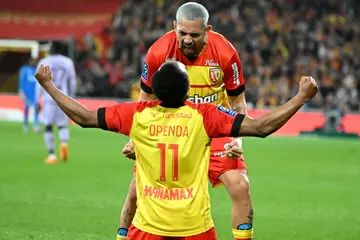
column 213, row 75
column 172, row 152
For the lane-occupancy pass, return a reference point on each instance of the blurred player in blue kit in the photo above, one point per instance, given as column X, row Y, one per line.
column 27, row 93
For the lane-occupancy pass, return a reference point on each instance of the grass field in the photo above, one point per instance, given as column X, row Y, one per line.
column 301, row 188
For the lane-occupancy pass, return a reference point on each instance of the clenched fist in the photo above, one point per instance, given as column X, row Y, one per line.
column 43, row 75
column 307, row 88
column 235, row 150
column 129, row 150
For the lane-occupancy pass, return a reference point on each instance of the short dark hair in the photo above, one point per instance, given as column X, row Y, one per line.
column 170, row 84
column 58, row 47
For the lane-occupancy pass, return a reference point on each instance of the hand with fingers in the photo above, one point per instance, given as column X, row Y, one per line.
column 307, row 88
column 235, row 149
column 43, row 75
column 129, row 150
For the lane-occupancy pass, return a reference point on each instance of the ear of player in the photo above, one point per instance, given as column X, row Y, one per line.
column 308, row 88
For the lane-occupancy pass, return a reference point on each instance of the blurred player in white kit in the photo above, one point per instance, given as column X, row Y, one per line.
column 64, row 77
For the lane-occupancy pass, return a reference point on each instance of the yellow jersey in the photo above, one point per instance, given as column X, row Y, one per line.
column 172, row 152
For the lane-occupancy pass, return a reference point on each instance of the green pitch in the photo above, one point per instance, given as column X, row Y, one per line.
column 301, row 188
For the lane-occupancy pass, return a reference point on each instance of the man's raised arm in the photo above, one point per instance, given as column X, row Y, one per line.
column 272, row 121
column 74, row 110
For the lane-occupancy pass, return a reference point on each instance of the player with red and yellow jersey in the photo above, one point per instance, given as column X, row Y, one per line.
column 215, row 76
column 173, row 135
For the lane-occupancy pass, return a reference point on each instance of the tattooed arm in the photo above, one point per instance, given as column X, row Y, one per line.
column 238, row 103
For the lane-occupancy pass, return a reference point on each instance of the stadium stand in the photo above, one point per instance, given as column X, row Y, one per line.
column 276, row 44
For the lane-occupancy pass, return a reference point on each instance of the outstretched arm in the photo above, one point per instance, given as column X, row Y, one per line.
column 73, row 109
column 272, row 121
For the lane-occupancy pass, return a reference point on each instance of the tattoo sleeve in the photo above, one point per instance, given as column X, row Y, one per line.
column 127, row 215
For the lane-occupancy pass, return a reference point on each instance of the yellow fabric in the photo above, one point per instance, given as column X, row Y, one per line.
column 172, row 201
column 203, row 89
column 243, row 234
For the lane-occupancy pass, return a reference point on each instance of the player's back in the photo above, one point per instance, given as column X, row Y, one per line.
column 172, row 152
column 172, row 167
column 63, row 73
column 172, row 159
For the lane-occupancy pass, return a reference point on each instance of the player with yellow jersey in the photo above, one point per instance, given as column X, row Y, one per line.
column 215, row 75
column 174, row 135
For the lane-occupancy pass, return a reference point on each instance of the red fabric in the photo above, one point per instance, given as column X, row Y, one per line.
column 233, row 75
column 217, row 120
column 119, row 118
column 44, row 20
column 49, row 27
column 63, row 6
column 219, row 50
column 219, row 163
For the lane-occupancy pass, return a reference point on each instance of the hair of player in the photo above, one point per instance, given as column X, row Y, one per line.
column 170, row 84
column 57, row 47
column 192, row 11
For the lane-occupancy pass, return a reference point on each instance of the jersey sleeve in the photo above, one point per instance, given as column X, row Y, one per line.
column 151, row 65
column 220, row 121
column 233, row 76
column 117, row 118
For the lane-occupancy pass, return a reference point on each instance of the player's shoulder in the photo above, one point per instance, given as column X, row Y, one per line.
column 219, row 39
column 223, row 45
column 142, row 105
column 66, row 59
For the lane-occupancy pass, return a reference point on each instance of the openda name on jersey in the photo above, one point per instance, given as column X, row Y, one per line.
column 207, row 99
column 169, row 130
column 168, row 194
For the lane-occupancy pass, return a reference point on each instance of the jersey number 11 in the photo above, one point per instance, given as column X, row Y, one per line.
column 175, row 160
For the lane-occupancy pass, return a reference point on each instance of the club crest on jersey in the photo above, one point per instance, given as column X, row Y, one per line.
column 215, row 74
column 226, row 111
column 145, row 72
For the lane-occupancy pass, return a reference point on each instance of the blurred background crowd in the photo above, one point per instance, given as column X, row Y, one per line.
column 277, row 40
column 276, row 45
